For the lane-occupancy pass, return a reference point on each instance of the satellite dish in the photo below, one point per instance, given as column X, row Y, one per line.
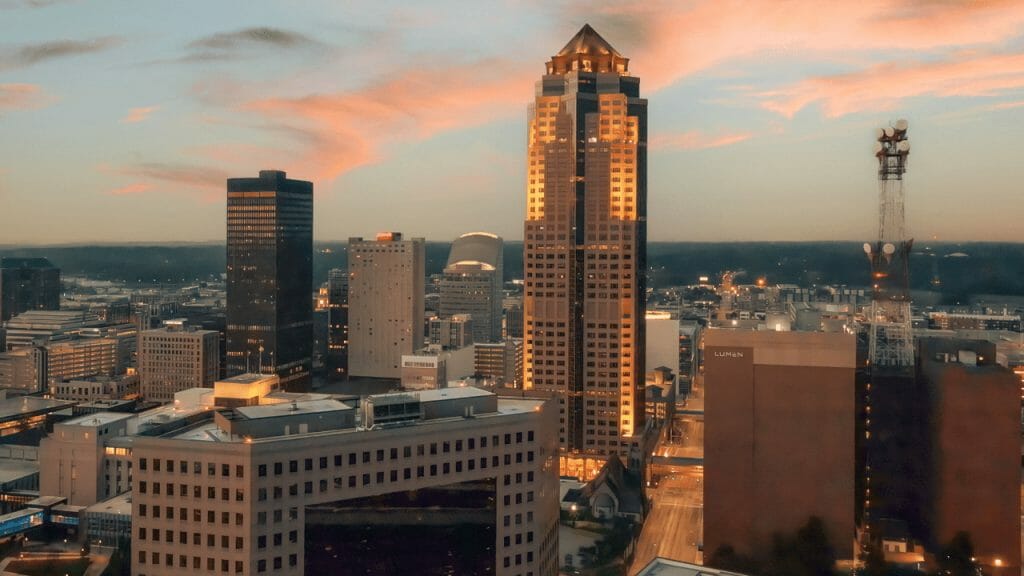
column 881, row 134
column 903, row 146
column 878, row 148
column 890, row 132
column 889, row 249
column 867, row 248
column 901, row 125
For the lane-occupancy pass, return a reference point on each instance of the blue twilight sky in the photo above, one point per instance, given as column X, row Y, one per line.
column 120, row 120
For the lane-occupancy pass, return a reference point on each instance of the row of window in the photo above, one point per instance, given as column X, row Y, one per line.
column 380, row 455
column 197, row 467
column 211, row 563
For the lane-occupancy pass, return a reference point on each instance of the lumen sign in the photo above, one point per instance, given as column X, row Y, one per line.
column 727, row 354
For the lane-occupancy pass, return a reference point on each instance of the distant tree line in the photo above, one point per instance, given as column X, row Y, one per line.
column 987, row 268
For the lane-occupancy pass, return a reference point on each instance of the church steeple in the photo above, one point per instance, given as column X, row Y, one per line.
column 588, row 52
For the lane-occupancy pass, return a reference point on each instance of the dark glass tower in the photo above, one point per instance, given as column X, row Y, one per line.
column 270, row 278
column 28, row 284
column 585, row 249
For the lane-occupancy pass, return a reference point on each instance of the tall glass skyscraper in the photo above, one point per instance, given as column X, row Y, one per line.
column 270, row 278
column 585, row 249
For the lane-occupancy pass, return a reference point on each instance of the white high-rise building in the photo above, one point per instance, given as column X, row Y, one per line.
column 386, row 288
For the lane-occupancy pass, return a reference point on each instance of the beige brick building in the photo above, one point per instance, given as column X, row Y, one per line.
column 175, row 358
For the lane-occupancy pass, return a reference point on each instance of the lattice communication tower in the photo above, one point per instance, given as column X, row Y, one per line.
column 891, row 345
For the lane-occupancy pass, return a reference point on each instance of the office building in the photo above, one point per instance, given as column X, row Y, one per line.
column 471, row 283
column 98, row 388
column 336, row 362
column 779, row 437
column 24, row 370
column 501, row 363
column 386, row 281
column 28, row 284
column 662, row 340
column 452, row 332
column 75, row 461
column 513, row 311
column 175, row 358
column 270, row 277
column 39, row 327
column 585, row 249
column 960, row 400
column 968, row 321
column 434, row 367
column 294, row 487
column 80, row 358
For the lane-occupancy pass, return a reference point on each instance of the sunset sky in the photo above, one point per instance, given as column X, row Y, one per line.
column 119, row 121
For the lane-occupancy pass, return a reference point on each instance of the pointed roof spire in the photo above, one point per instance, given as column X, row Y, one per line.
column 588, row 52
column 588, row 41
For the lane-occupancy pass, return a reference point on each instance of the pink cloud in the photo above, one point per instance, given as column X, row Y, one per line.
column 132, row 189
column 139, row 114
column 696, row 140
column 679, row 39
column 345, row 130
column 22, row 97
column 883, row 86
column 1006, row 105
column 200, row 181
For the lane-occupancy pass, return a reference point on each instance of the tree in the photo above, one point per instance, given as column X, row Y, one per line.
column 725, row 557
column 809, row 553
column 956, row 558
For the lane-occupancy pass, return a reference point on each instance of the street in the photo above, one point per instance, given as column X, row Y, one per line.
column 674, row 526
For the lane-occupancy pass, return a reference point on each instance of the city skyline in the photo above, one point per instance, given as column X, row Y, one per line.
column 762, row 129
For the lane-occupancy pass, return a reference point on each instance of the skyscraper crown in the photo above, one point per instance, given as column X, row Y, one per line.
column 588, row 52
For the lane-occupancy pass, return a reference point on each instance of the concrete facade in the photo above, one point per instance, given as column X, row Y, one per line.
column 386, row 289
column 779, row 437
column 175, row 358
column 212, row 502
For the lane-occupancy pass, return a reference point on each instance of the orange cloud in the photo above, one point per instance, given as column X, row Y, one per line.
column 678, row 39
column 138, row 114
column 696, row 140
column 345, row 130
column 883, row 86
column 22, row 97
column 132, row 189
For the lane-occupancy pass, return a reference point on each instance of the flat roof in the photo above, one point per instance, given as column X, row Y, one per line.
column 292, row 408
column 248, row 378
column 26, row 405
column 120, row 505
column 210, row 432
column 96, row 419
column 11, row 470
column 452, row 393
column 666, row 567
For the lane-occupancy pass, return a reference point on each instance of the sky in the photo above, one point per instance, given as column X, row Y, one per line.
column 120, row 121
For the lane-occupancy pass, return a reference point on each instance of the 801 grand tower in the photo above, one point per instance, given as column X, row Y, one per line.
column 270, row 278
column 585, row 250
